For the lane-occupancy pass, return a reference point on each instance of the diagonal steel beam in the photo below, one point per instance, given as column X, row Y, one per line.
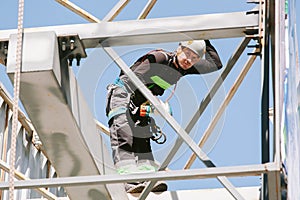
column 204, row 103
column 202, row 107
column 116, row 10
column 233, row 59
column 209, row 96
column 184, row 136
column 147, row 9
column 79, row 11
column 224, row 104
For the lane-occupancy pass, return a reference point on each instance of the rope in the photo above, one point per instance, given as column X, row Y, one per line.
column 16, row 99
column 172, row 93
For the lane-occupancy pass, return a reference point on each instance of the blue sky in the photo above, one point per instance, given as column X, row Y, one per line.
column 236, row 139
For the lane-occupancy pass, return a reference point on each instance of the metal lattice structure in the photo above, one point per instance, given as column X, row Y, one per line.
column 31, row 162
column 74, row 128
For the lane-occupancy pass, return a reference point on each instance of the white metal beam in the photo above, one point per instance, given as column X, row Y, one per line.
column 51, row 97
column 160, row 30
column 232, row 171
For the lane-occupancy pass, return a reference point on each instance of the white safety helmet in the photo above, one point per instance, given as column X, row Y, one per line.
column 197, row 46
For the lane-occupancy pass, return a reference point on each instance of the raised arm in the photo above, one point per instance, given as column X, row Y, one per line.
column 211, row 63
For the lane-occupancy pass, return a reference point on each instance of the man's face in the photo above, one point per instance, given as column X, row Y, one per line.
column 186, row 57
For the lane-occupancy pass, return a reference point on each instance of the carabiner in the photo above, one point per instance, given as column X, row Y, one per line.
column 157, row 135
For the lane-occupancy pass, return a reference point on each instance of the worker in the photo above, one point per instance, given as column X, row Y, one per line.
column 130, row 128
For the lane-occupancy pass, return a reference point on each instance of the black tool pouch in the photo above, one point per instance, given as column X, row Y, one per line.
column 134, row 112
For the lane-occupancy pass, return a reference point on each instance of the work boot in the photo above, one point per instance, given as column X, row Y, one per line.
column 160, row 186
column 136, row 187
column 126, row 167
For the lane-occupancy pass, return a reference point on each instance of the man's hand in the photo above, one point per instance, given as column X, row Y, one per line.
column 207, row 43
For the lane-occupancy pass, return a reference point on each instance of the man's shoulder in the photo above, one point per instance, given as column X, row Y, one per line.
column 161, row 54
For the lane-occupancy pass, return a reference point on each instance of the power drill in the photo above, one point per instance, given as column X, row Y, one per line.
column 146, row 108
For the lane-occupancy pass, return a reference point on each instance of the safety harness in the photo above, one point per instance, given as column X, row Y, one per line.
column 118, row 110
column 157, row 135
column 140, row 114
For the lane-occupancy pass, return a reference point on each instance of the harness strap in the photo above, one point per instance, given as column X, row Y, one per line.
column 116, row 111
column 120, row 83
column 165, row 54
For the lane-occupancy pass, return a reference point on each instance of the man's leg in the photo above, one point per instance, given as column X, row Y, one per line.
column 123, row 155
column 121, row 144
column 121, row 135
column 146, row 163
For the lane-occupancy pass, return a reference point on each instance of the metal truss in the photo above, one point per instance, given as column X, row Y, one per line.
column 213, row 172
column 263, row 25
column 31, row 137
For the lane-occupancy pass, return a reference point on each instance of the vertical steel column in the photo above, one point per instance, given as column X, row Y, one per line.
column 265, row 144
column 277, row 32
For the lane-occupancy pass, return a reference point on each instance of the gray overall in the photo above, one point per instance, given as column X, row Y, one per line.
column 155, row 68
column 129, row 142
